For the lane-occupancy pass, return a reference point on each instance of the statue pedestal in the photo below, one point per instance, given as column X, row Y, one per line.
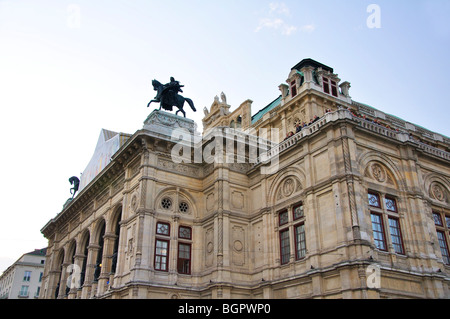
column 164, row 125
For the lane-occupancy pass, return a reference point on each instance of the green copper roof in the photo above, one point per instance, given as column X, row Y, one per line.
column 260, row 114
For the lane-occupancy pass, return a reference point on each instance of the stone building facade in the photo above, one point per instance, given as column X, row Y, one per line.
column 353, row 204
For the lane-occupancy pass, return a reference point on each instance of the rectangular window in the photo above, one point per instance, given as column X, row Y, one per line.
column 285, row 249
column 390, row 204
column 334, row 90
column 163, row 229
column 293, row 88
column 437, row 219
column 444, row 247
column 23, row 291
column 378, row 231
column 298, row 211
column 374, row 200
column 40, row 276
column 300, row 241
column 447, row 221
column 326, row 86
column 283, row 218
column 185, row 232
column 396, row 235
column 161, row 255
column 184, row 258
column 27, row 276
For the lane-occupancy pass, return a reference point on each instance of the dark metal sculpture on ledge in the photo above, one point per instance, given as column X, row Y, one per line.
column 167, row 95
column 76, row 184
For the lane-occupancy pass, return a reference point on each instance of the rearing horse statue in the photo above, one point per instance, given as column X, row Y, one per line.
column 168, row 96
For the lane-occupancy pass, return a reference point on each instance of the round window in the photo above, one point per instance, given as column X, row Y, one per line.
column 184, row 207
column 166, row 203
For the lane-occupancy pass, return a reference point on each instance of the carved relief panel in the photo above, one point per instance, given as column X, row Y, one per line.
column 438, row 192
column 209, row 247
column 379, row 173
column 287, row 187
column 238, row 245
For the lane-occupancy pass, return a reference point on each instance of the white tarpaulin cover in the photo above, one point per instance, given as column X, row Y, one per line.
column 108, row 144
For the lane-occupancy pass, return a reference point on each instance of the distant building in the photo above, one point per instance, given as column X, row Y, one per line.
column 314, row 196
column 22, row 280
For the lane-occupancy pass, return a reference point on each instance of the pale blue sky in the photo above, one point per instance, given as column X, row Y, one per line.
column 70, row 68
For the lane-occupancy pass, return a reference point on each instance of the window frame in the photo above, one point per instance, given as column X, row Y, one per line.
column 393, row 199
column 288, row 236
column 24, row 291
column 438, row 221
column 300, row 204
column 375, row 194
column 186, row 227
column 181, row 260
column 293, row 87
column 334, row 89
column 297, row 241
column 387, row 212
column 283, row 253
column 443, row 247
column 163, row 234
column 284, row 211
column 382, row 232
column 27, row 276
column 326, row 85
column 399, row 235
column 441, row 222
column 161, row 255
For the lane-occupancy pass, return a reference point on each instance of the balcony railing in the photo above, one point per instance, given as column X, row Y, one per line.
column 371, row 126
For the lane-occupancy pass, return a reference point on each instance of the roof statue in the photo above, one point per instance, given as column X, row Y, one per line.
column 76, row 183
column 167, row 95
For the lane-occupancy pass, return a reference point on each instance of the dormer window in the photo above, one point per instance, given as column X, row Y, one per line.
column 330, row 87
column 293, row 88
column 239, row 122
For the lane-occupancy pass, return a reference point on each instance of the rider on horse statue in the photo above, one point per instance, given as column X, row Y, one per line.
column 167, row 95
column 169, row 92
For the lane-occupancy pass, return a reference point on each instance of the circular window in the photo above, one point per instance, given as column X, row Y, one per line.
column 166, row 203
column 183, row 207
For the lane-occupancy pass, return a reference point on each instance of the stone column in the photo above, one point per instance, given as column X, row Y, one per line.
column 75, row 283
column 308, row 74
column 53, row 283
column 108, row 247
column 350, row 181
column 63, row 281
column 90, row 269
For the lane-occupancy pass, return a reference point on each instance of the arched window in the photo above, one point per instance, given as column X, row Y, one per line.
column 85, row 250
column 385, row 222
column 291, row 222
column 116, row 243
column 59, row 266
column 98, row 263
column 71, row 255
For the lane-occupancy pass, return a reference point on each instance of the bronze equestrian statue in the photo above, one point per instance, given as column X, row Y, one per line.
column 167, row 95
column 76, row 184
